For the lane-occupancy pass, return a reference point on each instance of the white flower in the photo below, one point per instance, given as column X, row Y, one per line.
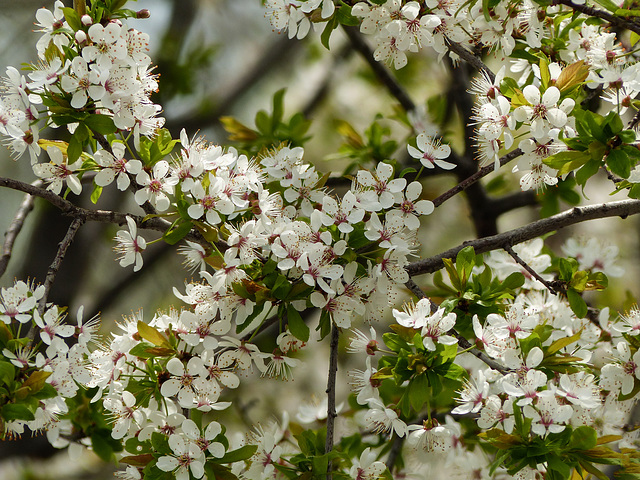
column 431, row 152
column 83, row 81
column 381, row 419
column 410, row 208
column 543, row 113
column 58, row 172
column 367, row 468
column 115, row 167
column 548, row 415
column 108, row 44
column 155, row 188
column 130, row 246
column 186, row 457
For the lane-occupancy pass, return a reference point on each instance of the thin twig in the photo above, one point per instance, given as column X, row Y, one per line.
column 621, row 209
column 16, row 226
column 103, row 216
column 331, row 394
column 53, row 269
column 530, row 271
column 396, row 448
column 609, row 17
column 469, row 57
column 484, row 171
column 462, row 342
column 379, row 69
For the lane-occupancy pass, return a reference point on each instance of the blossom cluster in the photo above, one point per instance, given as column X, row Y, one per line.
column 512, row 354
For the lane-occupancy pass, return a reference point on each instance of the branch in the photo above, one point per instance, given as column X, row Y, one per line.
column 609, row 17
column 469, row 57
column 331, row 394
column 527, row 267
column 57, row 261
column 484, row 171
column 16, row 226
column 396, row 448
column 621, row 209
column 379, row 69
column 462, row 342
column 103, row 216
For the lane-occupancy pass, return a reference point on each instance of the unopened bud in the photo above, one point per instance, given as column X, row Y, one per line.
column 372, row 347
column 144, row 13
column 86, row 20
column 81, row 37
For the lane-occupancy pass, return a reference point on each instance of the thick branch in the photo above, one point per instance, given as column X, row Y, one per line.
column 331, row 394
column 622, row 209
column 14, row 229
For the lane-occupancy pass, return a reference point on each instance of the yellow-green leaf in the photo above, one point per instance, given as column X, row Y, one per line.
column 152, row 335
column 572, row 75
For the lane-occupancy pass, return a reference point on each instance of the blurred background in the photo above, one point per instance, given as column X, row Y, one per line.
column 219, row 58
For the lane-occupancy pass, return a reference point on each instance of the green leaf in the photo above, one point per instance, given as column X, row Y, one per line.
column 297, row 327
column 587, row 171
column 566, row 161
column 513, row 281
column 100, row 124
column 618, row 162
column 16, row 411
column 559, row 344
column 583, row 438
column 608, row 4
column 242, row 453
column 465, row 261
column 96, row 193
column 72, row 18
column 152, row 335
column 176, row 234
column 7, row 372
column 554, row 462
column 485, row 10
column 577, row 303
column 104, row 445
column 217, row 472
column 345, row 17
column 332, row 24
column 419, row 391
column 278, row 109
column 146, row 350
column 74, row 150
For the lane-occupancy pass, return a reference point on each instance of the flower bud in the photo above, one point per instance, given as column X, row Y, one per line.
column 86, row 20
column 81, row 37
column 144, row 13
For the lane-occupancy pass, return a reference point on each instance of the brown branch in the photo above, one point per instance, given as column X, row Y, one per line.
column 331, row 394
column 469, row 57
column 603, row 14
column 16, row 226
column 484, row 171
column 383, row 74
column 531, row 271
column 104, row 216
column 621, row 209
column 462, row 342
column 55, row 265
